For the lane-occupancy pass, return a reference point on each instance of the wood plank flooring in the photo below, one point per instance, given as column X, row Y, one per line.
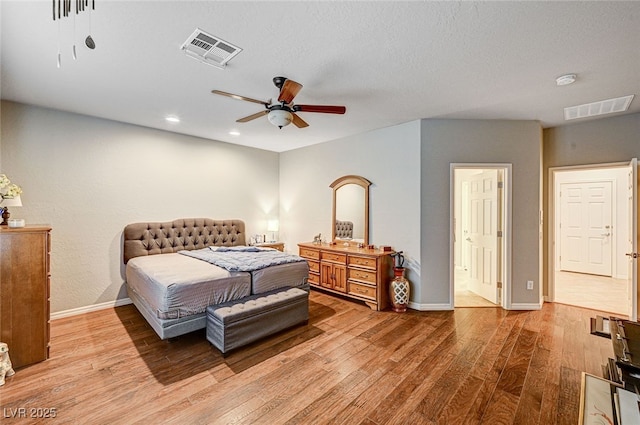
column 592, row 291
column 349, row 365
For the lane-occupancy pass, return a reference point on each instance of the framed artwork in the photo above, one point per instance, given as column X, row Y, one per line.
column 596, row 401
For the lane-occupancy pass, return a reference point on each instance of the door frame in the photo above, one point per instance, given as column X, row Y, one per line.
column 552, row 233
column 506, row 243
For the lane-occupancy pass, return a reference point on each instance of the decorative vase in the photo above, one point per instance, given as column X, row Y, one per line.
column 399, row 290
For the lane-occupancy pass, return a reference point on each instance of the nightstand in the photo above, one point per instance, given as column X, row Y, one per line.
column 277, row 245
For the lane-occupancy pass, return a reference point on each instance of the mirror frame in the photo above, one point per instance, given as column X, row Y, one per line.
column 337, row 184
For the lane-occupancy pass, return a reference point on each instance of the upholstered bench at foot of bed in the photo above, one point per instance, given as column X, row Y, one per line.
column 236, row 323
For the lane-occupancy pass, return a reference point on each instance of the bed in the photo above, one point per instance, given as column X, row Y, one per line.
column 172, row 288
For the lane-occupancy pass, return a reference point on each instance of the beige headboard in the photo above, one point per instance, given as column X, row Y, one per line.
column 186, row 233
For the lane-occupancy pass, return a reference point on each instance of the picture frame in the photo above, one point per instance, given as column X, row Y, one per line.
column 597, row 400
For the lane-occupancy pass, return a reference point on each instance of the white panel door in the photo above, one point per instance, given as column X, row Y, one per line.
column 483, row 235
column 585, row 227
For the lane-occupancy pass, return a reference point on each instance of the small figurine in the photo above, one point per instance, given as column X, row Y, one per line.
column 317, row 239
column 5, row 363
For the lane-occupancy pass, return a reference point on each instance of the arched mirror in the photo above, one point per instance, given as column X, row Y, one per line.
column 350, row 220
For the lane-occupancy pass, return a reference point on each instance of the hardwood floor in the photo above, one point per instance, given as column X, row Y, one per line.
column 592, row 291
column 464, row 297
column 349, row 365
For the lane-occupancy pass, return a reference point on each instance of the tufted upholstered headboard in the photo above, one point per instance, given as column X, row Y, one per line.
column 185, row 233
column 344, row 229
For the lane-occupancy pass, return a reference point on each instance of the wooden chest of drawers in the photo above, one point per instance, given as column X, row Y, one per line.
column 25, row 276
column 357, row 273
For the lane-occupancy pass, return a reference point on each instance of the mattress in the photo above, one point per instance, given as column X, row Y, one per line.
column 279, row 276
column 175, row 286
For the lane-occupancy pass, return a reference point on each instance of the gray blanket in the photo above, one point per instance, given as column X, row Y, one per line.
column 242, row 258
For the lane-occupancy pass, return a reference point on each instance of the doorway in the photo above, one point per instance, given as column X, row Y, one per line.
column 591, row 228
column 480, row 229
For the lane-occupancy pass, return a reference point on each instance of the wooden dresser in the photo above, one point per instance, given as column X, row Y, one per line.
column 24, row 292
column 358, row 273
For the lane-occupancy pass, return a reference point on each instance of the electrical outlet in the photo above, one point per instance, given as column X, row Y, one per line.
column 530, row 285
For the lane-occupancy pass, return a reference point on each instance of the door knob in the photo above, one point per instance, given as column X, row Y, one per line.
column 468, row 239
column 632, row 254
column 605, row 234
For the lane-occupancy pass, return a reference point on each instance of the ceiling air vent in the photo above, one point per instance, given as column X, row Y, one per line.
column 609, row 106
column 209, row 49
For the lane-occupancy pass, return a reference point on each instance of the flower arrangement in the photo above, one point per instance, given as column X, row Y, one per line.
column 8, row 190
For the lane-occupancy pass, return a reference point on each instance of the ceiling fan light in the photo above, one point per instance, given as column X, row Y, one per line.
column 280, row 117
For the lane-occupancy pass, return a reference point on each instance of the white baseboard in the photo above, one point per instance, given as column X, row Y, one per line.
column 90, row 308
column 444, row 307
column 429, row 307
column 526, row 306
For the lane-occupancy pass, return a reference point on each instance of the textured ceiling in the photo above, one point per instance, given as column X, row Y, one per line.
column 387, row 62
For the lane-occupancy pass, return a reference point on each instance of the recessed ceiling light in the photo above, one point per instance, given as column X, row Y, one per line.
column 172, row 119
column 234, row 133
column 565, row 80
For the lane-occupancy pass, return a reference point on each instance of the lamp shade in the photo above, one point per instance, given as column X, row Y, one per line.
column 272, row 226
column 11, row 202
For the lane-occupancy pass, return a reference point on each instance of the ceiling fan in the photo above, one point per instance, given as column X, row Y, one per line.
column 283, row 112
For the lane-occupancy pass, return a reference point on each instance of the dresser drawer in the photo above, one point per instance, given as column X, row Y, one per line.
column 334, row 258
column 314, row 279
column 363, row 275
column 369, row 263
column 314, row 266
column 310, row 253
column 362, row 290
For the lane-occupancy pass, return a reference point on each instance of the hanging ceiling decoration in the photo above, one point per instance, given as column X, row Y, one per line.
column 63, row 9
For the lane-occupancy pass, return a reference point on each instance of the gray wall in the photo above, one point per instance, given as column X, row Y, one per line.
column 601, row 141
column 389, row 158
column 89, row 177
column 471, row 141
column 409, row 168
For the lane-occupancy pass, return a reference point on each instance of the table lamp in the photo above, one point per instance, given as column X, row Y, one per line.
column 8, row 202
column 272, row 226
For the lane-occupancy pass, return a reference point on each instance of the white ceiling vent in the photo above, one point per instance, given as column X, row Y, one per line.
column 609, row 106
column 209, row 49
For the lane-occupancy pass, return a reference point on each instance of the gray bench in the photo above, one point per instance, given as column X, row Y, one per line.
column 236, row 323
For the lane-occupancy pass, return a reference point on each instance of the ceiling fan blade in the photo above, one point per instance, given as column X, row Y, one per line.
column 238, row 97
column 298, row 122
column 253, row 116
column 288, row 91
column 326, row 109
